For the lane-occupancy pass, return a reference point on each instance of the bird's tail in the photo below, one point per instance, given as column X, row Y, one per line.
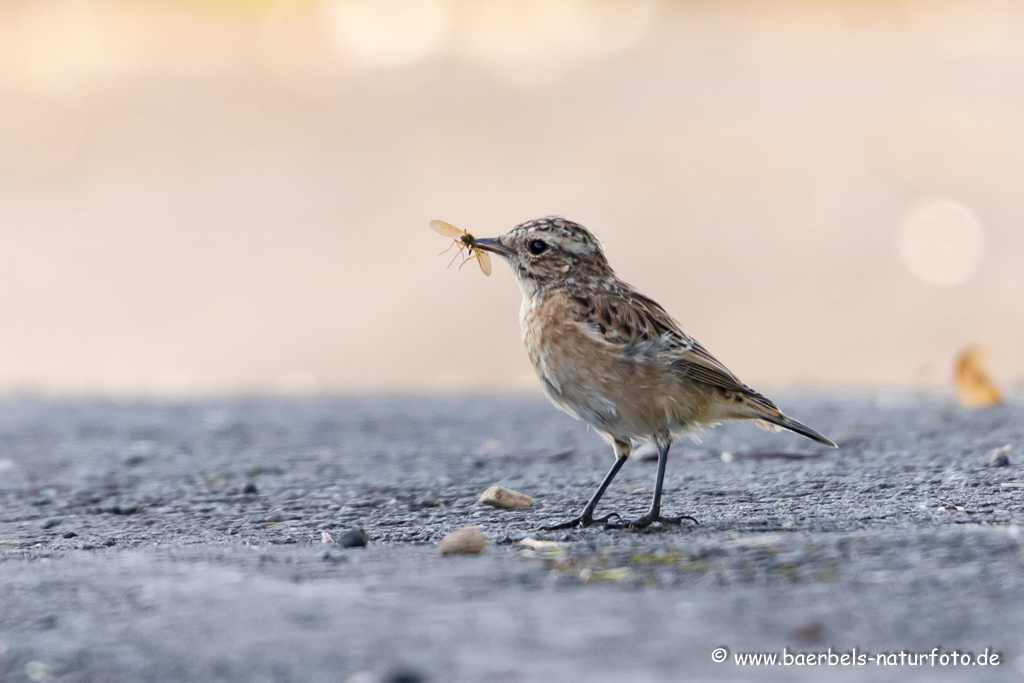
column 750, row 405
column 786, row 422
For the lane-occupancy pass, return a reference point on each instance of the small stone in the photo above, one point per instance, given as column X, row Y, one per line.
column 362, row 677
column 39, row 672
column 52, row 522
column 468, row 540
column 325, row 537
column 118, row 510
column 505, row 499
column 645, row 452
column 810, row 633
column 535, row 545
column 547, row 550
column 353, row 538
column 250, row 489
column 563, row 455
column 333, row 559
column 69, row 534
column 1001, row 457
column 404, row 675
column 283, row 540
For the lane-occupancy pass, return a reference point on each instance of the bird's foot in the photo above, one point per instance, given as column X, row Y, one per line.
column 582, row 522
column 648, row 520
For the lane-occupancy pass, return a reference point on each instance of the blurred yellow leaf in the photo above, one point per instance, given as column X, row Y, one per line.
column 973, row 385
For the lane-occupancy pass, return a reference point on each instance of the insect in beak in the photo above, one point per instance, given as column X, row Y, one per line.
column 463, row 240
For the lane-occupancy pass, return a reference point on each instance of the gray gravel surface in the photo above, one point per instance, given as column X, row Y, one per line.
column 182, row 542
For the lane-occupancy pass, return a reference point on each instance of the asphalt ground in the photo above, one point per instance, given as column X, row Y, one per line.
column 183, row 542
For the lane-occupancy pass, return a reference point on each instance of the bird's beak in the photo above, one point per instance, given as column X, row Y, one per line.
column 493, row 244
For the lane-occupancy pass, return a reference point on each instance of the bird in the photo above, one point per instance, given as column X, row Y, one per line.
column 615, row 359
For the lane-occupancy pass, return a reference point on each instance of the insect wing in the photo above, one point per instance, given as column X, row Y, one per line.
column 484, row 259
column 446, row 229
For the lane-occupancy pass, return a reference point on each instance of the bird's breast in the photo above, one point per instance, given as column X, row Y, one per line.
column 551, row 336
column 576, row 370
column 618, row 393
column 537, row 318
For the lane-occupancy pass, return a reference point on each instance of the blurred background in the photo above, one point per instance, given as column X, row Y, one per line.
column 233, row 196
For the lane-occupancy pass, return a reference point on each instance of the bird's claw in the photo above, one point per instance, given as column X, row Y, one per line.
column 647, row 520
column 582, row 522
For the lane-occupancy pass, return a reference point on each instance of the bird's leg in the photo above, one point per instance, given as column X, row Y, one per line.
column 654, row 514
column 586, row 518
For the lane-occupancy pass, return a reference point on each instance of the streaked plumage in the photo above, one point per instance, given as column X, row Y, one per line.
column 614, row 358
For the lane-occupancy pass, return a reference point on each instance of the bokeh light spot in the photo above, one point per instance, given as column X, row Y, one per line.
column 594, row 26
column 389, row 33
column 941, row 243
column 532, row 42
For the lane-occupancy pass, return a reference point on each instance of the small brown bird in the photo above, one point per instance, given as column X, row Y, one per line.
column 608, row 355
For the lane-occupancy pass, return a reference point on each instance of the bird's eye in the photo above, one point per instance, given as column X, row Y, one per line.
column 537, row 247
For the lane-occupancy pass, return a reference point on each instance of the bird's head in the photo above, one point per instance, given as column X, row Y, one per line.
column 550, row 252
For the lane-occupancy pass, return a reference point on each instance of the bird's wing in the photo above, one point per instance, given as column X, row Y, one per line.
column 622, row 318
column 640, row 326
